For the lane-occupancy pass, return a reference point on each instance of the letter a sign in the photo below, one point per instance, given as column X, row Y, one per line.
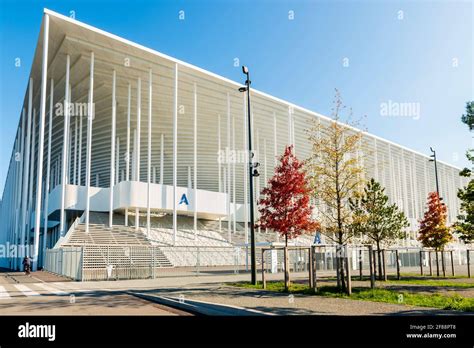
column 184, row 199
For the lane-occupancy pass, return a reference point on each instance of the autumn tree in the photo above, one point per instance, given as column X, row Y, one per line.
column 376, row 219
column 433, row 231
column 285, row 203
column 336, row 174
column 465, row 224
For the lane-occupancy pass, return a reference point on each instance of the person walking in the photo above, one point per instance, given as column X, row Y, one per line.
column 27, row 265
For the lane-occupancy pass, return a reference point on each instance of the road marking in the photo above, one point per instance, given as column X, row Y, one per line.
column 69, row 288
column 3, row 293
column 50, row 289
column 26, row 290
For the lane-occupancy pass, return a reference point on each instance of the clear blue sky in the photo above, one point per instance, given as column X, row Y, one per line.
column 299, row 60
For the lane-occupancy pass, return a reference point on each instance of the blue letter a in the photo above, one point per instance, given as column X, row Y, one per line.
column 183, row 199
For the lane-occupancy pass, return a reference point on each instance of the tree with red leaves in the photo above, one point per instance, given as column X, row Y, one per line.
column 433, row 231
column 285, row 206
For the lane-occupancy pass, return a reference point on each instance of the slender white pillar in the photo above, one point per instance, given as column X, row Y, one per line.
column 175, row 153
column 32, row 165
column 234, row 200
column 19, row 226
column 137, row 149
column 48, row 168
column 148, row 208
column 195, row 161
column 229, row 217
column 79, row 155
column 74, row 177
column 134, row 156
column 190, row 182
column 275, row 145
column 26, row 166
column 162, row 157
column 127, row 155
column 220, row 158
column 112, row 152
column 117, row 160
column 65, row 148
column 153, row 179
column 90, row 117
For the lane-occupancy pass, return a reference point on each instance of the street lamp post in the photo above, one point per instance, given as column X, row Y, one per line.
column 252, row 173
column 433, row 156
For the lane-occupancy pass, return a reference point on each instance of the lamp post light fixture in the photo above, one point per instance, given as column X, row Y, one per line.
column 253, row 173
column 433, row 159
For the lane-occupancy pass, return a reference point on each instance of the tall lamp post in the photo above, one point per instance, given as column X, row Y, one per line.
column 433, row 159
column 252, row 173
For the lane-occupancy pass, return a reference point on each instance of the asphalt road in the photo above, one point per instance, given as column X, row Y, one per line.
column 24, row 295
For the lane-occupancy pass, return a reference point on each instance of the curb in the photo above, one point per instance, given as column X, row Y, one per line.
column 200, row 307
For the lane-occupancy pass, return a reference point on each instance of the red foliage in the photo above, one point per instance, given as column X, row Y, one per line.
column 285, row 206
column 433, row 230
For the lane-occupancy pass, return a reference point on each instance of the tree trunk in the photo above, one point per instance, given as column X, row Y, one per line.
column 287, row 265
column 379, row 260
column 437, row 263
column 340, row 250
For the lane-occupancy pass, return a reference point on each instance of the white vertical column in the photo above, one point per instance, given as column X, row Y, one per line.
column 48, row 168
column 74, row 176
column 153, row 179
column 137, row 149
column 148, row 208
column 195, row 161
column 219, row 152
column 19, row 226
column 117, row 160
column 32, row 165
column 275, row 146
column 112, row 152
column 162, row 158
column 175, row 151
column 127, row 156
column 234, row 210
column 229, row 217
column 79, row 155
column 90, row 116
column 26, row 165
column 290, row 123
column 65, row 148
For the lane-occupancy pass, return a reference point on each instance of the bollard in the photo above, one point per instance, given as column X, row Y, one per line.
column 264, row 284
column 398, row 264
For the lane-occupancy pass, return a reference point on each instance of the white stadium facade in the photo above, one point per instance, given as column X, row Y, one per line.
column 71, row 184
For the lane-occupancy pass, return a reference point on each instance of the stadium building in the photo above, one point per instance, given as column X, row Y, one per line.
column 161, row 163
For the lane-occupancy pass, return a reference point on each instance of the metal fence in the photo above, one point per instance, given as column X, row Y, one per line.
column 104, row 262
column 65, row 261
